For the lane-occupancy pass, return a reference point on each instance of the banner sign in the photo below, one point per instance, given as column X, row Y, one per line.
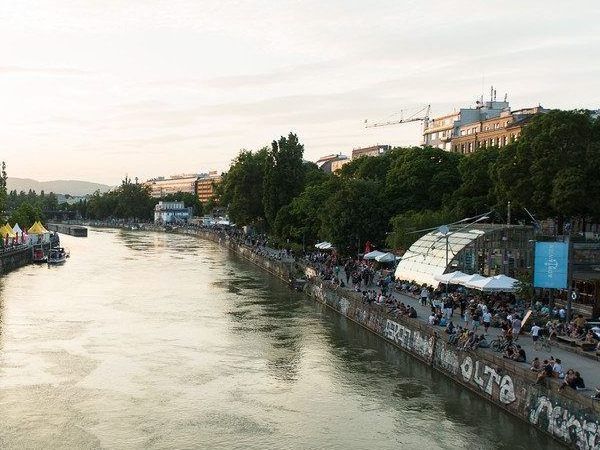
column 551, row 265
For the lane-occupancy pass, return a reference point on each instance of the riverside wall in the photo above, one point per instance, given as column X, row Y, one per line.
column 569, row 417
column 15, row 258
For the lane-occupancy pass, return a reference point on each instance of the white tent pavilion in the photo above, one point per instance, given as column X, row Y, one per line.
column 373, row 255
column 324, row 245
column 449, row 278
column 17, row 229
column 463, row 280
column 386, row 258
column 499, row 283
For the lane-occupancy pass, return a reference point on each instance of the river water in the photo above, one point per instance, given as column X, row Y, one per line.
column 150, row 340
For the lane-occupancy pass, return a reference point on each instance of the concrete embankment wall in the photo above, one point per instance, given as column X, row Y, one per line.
column 73, row 230
column 569, row 417
column 14, row 259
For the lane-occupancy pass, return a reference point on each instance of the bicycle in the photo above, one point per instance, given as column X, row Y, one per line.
column 543, row 343
column 501, row 345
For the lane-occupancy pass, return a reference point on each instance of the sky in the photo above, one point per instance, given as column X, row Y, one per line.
column 97, row 89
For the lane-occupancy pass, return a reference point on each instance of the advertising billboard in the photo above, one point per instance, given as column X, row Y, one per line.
column 551, row 265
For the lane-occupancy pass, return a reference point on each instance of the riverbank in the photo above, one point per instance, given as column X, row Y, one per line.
column 567, row 415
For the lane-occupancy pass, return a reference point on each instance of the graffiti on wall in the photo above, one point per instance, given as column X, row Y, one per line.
column 487, row 378
column 409, row 339
column 581, row 433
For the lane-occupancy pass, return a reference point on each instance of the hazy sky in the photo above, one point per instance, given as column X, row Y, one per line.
column 95, row 89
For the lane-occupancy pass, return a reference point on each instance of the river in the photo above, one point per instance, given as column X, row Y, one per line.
column 150, row 340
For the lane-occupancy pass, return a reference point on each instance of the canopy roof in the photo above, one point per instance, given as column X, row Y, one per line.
column 499, row 283
column 37, row 228
column 17, row 228
column 373, row 255
column 7, row 230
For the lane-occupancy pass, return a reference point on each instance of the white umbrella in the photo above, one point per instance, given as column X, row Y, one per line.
column 499, row 283
column 385, row 258
column 448, row 278
column 372, row 255
column 463, row 280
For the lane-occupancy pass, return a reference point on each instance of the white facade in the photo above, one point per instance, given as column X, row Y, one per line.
column 171, row 212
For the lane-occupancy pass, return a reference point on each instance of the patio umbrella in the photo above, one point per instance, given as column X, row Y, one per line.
column 372, row 255
column 448, row 278
column 386, row 258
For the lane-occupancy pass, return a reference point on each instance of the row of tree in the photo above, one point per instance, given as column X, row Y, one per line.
column 551, row 170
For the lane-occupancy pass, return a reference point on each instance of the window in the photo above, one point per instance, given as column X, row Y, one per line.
column 505, row 139
column 462, row 132
column 470, row 147
column 462, row 148
column 469, row 131
column 496, row 126
column 487, row 128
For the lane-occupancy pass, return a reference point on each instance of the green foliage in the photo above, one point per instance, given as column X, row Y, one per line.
column 421, row 178
column 283, row 176
column 475, row 194
column 406, row 224
column 354, row 214
column 3, row 194
column 553, row 168
column 25, row 215
column 128, row 201
column 241, row 189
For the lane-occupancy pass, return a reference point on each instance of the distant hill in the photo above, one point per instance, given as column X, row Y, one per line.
column 72, row 187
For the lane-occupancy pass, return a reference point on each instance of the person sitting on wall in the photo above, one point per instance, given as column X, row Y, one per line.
column 432, row 320
column 546, row 372
column 536, row 365
column 557, row 371
column 412, row 313
column 573, row 380
column 519, row 355
column 509, row 353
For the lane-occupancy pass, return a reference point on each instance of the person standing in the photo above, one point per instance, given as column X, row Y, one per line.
column 516, row 326
column 487, row 320
column 535, row 334
column 424, row 296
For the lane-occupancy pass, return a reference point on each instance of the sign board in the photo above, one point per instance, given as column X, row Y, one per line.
column 551, row 265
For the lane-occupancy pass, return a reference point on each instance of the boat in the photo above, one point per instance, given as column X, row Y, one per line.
column 38, row 255
column 57, row 255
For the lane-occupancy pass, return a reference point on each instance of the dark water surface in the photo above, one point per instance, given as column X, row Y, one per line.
column 148, row 340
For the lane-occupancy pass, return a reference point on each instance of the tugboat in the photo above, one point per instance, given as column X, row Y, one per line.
column 57, row 255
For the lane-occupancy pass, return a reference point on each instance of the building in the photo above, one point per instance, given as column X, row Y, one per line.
column 338, row 164
column 205, row 186
column 375, row 150
column 161, row 186
column 494, row 132
column 439, row 132
column 325, row 163
column 171, row 212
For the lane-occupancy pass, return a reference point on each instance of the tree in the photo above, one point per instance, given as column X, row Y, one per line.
column 422, row 178
column 405, row 226
column 241, row 188
column 355, row 214
column 3, row 194
column 25, row 215
column 283, row 176
column 476, row 195
column 554, row 162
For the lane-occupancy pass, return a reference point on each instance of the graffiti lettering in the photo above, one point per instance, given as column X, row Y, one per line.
column 580, row 432
column 471, row 372
column 409, row 339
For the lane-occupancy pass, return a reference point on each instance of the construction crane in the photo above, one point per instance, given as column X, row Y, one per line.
column 421, row 115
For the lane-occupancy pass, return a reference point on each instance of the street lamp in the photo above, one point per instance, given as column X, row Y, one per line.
column 445, row 231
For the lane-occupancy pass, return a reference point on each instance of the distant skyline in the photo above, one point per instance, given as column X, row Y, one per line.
column 93, row 90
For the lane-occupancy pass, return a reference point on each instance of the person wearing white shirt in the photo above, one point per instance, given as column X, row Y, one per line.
column 535, row 334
